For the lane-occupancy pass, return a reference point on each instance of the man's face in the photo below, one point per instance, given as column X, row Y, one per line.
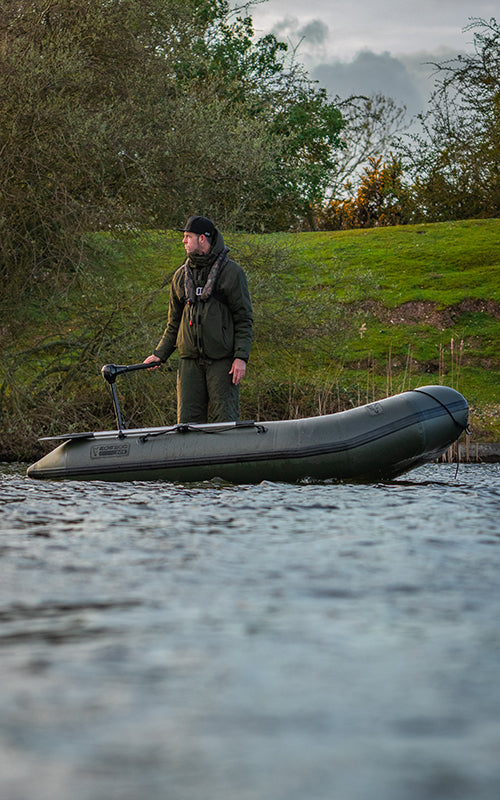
column 195, row 244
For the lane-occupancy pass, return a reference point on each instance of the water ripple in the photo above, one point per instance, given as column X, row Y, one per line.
column 208, row 640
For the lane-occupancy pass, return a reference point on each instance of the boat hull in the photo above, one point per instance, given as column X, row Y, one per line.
column 372, row 442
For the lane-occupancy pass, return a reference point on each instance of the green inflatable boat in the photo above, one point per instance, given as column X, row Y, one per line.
column 373, row 442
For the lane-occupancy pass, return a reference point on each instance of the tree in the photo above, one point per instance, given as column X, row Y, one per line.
column 117, row 114
column 382, row 198
column 308, row 127
column 77, row 82
column 371, row 125
column 455, row 159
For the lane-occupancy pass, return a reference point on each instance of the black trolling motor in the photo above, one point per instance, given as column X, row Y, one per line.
column 110, row 373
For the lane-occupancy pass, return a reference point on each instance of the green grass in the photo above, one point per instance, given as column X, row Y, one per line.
column 443, row 263
column 340, row 318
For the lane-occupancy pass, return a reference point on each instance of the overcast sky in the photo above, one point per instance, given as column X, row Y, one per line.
column 368, row 46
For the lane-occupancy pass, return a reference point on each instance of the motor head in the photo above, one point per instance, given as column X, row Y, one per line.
column 110, row 371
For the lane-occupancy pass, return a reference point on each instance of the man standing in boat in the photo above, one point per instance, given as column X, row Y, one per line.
column 210, row 323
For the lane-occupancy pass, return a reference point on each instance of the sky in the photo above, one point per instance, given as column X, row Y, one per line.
column 369, row 46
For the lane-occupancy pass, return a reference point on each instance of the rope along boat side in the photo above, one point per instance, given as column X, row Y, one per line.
column 379, row 440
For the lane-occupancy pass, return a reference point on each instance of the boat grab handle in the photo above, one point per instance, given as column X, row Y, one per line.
column 465, row 427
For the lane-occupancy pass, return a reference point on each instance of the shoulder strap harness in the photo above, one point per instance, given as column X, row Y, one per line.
column 193, row 293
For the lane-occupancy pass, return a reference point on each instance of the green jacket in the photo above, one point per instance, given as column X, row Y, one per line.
column 221, row 325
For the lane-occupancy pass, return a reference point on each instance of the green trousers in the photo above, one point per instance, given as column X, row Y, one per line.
column 205, row 389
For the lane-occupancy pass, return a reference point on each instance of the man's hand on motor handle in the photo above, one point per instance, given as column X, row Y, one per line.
column 153, row 360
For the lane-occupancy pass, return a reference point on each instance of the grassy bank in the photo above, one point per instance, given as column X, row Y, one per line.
column 341, row 318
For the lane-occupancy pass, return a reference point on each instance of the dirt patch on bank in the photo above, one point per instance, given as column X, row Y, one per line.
column 418, row 311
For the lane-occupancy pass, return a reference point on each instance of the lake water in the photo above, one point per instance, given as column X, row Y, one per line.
column 270, row 642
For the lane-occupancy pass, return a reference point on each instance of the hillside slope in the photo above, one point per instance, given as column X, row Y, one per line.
column 341, row 318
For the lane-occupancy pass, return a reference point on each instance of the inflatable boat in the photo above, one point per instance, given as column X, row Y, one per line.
column 376, row 441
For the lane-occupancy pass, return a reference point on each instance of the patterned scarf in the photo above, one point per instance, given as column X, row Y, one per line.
column 189, row 286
